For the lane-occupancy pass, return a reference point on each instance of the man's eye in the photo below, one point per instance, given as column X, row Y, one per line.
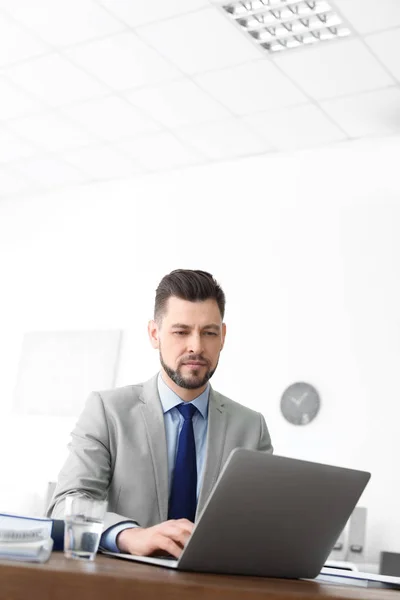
column 180, row 332
column 210, row 333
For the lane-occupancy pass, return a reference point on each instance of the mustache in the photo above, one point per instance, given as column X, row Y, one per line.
column 194, row 358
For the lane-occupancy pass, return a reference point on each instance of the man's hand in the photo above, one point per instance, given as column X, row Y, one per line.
column 170, row 537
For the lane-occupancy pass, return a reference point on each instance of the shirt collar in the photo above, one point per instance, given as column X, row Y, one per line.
column 169, row 399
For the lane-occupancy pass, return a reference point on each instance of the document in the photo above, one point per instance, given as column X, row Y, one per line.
column 359, row 578
column 25, row 538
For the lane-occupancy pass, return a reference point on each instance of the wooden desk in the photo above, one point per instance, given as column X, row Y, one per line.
column 114, row 579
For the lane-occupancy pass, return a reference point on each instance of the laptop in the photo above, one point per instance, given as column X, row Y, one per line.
column 269, row 516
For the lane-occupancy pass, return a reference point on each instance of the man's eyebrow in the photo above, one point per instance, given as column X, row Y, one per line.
column 183, row 326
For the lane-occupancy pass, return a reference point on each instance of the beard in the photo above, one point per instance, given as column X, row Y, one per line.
column 189, row 382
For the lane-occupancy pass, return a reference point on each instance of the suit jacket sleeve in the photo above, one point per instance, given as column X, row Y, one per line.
column 265, row 439
column 88, row 468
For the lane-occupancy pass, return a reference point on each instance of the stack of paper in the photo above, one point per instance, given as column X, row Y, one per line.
column 25, row 538
column 345, row 577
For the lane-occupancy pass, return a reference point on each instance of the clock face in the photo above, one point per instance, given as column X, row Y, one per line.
column 300, row 403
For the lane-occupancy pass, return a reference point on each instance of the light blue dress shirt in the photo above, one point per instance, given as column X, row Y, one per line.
column 173, row 422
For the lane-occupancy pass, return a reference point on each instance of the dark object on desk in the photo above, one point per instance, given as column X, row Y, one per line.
column 390, row 564
column 57, row 533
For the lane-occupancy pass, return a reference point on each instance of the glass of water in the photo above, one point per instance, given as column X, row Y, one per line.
column 83, row 519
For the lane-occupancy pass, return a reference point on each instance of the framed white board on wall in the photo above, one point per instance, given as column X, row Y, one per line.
column 58, row 369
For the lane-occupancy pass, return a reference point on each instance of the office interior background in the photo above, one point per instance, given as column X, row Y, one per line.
column 140, row 137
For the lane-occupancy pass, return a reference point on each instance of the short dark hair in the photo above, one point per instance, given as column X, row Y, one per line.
column 188, row 285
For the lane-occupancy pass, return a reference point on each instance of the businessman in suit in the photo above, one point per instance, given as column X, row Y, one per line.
column 156, row 449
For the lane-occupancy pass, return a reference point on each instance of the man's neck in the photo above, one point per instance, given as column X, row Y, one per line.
column 183, row 393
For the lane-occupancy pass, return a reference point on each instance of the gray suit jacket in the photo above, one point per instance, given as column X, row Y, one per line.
column 119, row 450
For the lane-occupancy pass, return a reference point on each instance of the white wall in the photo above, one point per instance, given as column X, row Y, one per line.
column 307, row 249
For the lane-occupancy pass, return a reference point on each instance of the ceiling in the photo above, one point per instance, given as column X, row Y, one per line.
column 94, row 90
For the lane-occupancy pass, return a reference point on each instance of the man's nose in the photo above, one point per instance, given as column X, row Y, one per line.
column 195, row 344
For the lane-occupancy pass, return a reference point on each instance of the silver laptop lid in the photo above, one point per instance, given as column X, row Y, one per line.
column 272, row 516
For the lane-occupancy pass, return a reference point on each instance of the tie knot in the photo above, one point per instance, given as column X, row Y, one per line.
column 187, row 411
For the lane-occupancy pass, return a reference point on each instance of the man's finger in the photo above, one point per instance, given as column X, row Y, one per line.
column 184, row 524
column 176, row 533
column 186, row 521
column 168, row 545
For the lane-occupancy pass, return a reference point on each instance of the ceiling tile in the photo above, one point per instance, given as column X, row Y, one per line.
column 111, row 118
column 160, row 151
column 367, row 114
column 17, row 44
column 334, row 69
column 370, row 15
column 178, row 103
column 200, row 41
column 49, row 172
column 14, row 102
column 12, row 147
column 123, row 61
column 293, row 128
column 12, row 183
column 251, row 87
column 226, row 139
column 50, row 131
column 139, row 13
column 103, row 162
column 55, row 80
column 386, row 46
column 64, row 23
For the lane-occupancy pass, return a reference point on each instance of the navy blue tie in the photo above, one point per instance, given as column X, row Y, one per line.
column 183, row 498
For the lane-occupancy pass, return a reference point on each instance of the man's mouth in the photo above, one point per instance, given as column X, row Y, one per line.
column 195, row 364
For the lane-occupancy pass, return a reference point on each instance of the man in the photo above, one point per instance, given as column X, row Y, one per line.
column 156, row 449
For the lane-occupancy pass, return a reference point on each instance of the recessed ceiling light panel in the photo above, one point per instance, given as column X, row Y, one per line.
column 283, row 24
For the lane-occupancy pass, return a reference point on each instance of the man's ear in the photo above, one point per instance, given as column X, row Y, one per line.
column 153, row 331
column 223, row 335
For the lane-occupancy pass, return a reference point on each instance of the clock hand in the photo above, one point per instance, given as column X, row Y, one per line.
column 302, row 397
column 296, row 401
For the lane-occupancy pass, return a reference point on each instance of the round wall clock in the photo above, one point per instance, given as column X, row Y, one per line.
column 300, row 403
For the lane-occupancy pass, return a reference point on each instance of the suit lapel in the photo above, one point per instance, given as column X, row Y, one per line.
column 217, row 421
column 154, row 422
